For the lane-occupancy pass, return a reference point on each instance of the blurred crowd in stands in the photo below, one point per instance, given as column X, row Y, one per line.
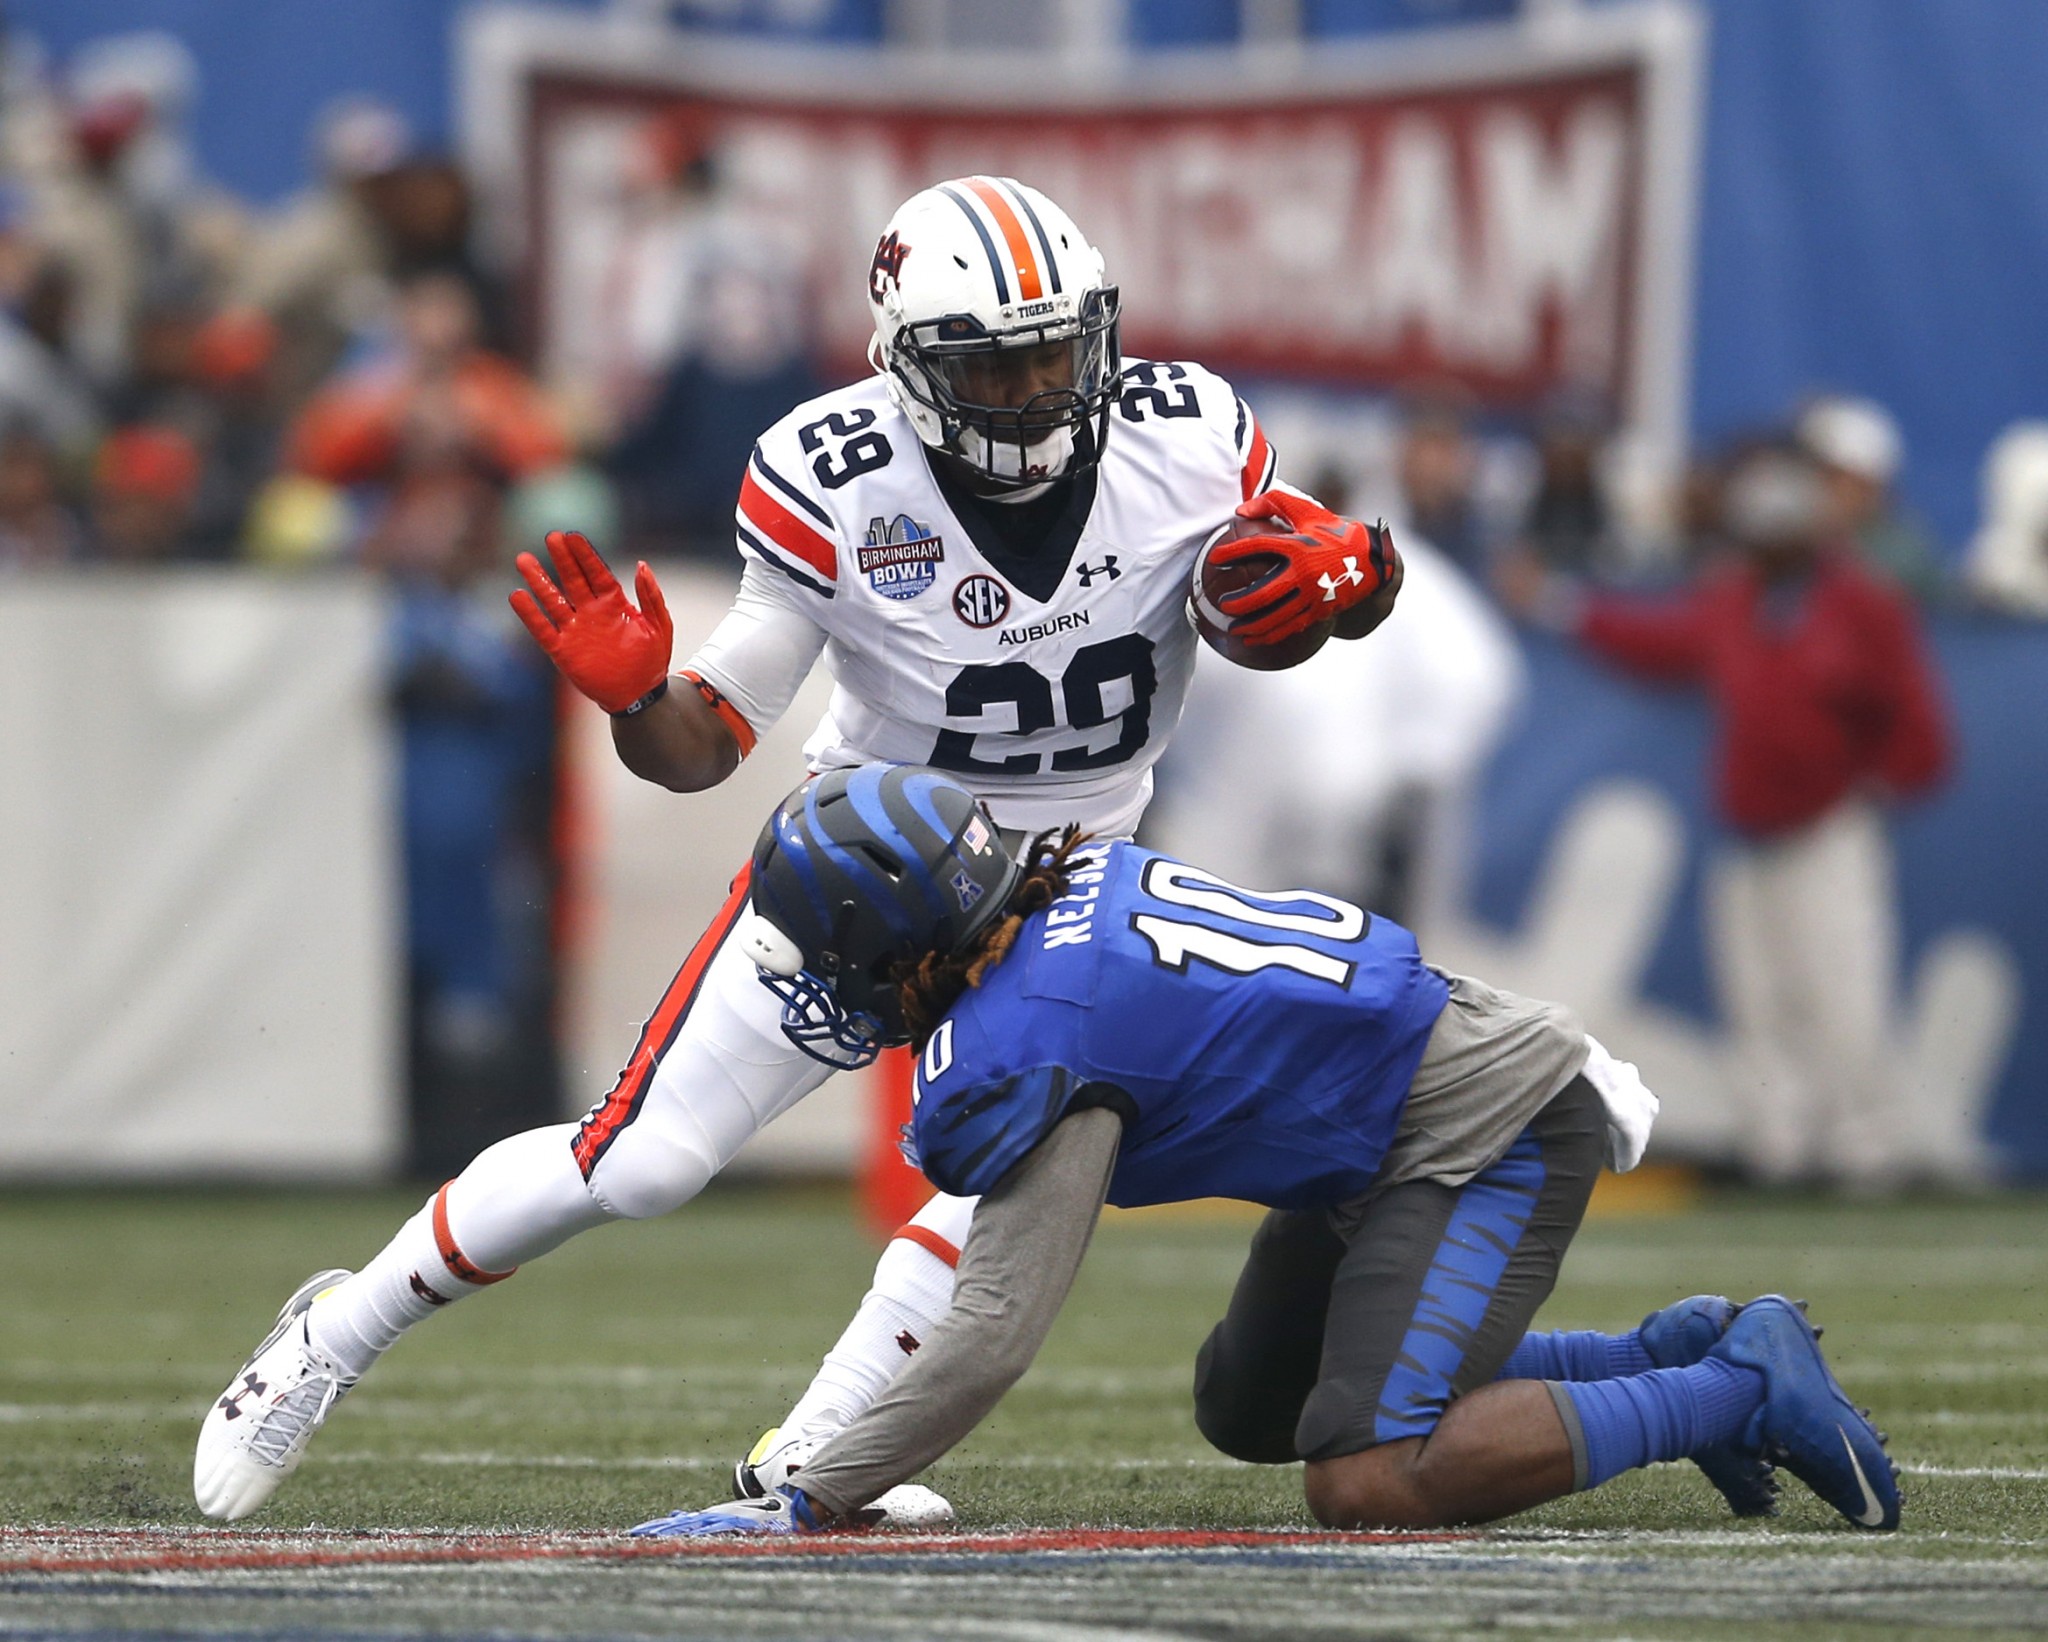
column 185, row 378
column 339, row 381
column 182, row 378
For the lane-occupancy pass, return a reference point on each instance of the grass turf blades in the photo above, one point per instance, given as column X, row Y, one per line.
column 620, row 1376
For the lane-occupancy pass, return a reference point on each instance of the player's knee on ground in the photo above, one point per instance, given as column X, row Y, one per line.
column 1236, row 1410
column 1378, row 1487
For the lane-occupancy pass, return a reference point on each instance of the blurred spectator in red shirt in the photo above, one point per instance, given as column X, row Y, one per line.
column 1857, row 444
column 1826, row 707
column 143, row 487
column 36, row 528
column 439, row 391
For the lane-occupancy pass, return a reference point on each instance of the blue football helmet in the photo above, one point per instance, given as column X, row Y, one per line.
column 856, row 873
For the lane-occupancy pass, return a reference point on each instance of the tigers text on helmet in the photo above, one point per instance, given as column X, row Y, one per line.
column 996, row 329
column 857, row 871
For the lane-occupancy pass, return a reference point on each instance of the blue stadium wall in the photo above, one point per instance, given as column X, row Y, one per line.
column 1969, row 858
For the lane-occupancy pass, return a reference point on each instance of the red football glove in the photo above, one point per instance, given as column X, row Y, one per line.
column 614, row 654
column 1331, row 564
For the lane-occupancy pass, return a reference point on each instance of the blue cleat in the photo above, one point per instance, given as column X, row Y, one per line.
column 1679, row 1336
column 1807, row 1423
column 1686, row 1330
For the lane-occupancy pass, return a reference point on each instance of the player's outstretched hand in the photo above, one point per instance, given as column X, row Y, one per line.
column 785, row 1511
column 1332, row 564
column 616, row 655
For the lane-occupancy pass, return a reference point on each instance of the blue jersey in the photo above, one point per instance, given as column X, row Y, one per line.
column 1258, row 1046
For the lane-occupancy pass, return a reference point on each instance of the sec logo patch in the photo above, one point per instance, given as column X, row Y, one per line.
column 981, row 601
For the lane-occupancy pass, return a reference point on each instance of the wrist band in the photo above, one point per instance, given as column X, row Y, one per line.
column 729, row 715
column 645, row 702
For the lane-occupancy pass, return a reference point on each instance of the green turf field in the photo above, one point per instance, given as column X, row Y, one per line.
column 621, row 1377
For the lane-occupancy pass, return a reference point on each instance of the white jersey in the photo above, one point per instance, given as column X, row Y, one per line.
column 1052, row 709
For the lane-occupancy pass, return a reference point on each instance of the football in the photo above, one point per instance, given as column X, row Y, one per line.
column 1212, row 582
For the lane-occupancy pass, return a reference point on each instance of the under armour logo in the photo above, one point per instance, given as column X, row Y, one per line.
column 908, row 1342
column 1349, row 576
column 1088, row 572
column 250, row 1387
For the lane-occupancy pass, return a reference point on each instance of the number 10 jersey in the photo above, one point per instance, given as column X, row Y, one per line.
column 1258, row 1045
column 1052, row 704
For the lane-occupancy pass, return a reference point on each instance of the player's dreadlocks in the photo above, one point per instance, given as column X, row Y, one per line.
column 932, row 984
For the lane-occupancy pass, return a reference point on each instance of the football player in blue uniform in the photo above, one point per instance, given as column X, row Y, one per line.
column 1101, row 1023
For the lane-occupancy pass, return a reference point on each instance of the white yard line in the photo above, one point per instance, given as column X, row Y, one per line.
column 486, row 1458
column 1979, row 1334
column 544, row 1462
column 55, row 1413
column 1870, row 1266
column 1952, row 1371
column 483, row 1458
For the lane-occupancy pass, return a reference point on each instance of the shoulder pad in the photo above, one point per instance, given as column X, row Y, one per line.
column 1167, row 392
column 785, row 517
column 970, row 1134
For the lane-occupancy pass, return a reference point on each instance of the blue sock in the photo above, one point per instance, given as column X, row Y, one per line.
column 1666, row 1414
column 1584, row 1354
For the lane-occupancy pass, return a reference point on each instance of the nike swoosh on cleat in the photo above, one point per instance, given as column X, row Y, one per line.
column 1872, row 1514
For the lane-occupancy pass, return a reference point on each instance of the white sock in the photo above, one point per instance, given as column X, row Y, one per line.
column 518, row 1199
column 913, row 1290
column 521, row 1198
column 357, row 1321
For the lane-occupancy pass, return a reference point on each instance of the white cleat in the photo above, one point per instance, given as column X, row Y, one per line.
column 908, row 1508
column 254, row 1436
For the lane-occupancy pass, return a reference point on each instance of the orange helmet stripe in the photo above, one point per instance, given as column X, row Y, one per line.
column 1030, row 287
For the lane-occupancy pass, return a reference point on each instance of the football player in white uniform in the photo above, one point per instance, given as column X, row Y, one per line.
column 991, row 539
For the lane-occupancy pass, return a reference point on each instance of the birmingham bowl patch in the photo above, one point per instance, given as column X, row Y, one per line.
column 901, row 557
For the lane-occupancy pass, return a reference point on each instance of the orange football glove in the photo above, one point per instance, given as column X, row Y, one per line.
column 1329, row 564
column 614, row 654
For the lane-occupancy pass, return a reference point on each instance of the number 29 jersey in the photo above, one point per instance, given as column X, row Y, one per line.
column 1052, row 704
column 1258, row 1046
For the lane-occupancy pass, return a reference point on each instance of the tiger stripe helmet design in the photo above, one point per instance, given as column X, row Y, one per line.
column 996, row 329
column 856, row 871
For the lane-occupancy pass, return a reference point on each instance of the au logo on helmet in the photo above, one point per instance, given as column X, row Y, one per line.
column 889, row 255
column 1000, row 344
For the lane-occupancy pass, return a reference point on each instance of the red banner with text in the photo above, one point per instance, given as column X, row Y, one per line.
column 1489, row 232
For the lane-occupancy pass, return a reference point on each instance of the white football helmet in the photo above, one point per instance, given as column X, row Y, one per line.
column 996, row 329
